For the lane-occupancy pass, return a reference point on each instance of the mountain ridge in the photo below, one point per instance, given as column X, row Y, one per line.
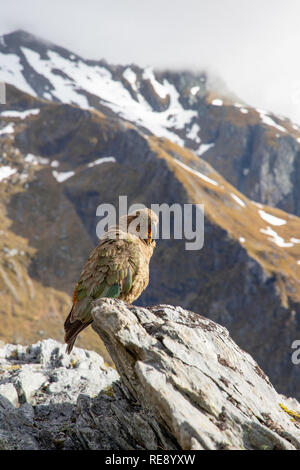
column 255, row 150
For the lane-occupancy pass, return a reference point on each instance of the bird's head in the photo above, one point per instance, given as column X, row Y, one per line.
column 141, row 223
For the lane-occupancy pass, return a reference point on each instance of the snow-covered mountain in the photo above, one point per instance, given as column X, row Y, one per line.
column 195, row 110
column 150, row 100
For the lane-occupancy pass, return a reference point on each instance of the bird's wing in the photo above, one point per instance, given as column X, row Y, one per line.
column 109, row 272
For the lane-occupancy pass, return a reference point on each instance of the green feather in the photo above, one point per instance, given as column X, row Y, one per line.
column 80, row 286
column 113, row 291
column 127, row 282
column 103, row 260
column 98, row 290
column 87, row 313
column 81, row 293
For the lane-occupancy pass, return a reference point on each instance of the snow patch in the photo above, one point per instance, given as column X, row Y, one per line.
column 271, row 219
column 238, row 200
column 11, row 251
column 35, row 160
column 266, row 119
column 193, row 133
column 64, row 89
column 217, row 102
column 20, row 114
column 194, row 90
column 275, row 238
column 62, row 176
column 242, row 107
column 204, row 148
column 197, row 173
column 102, row 160
column 9, row 129
column 130, row 76
column 11, row 71
column 159, row 89
column 6, row 172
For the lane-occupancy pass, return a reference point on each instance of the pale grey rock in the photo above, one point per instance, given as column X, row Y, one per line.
column 184, row 384
column 187, row 371
column 29, row 381
column 44, row 384
column 7, row 390
column 43, row 370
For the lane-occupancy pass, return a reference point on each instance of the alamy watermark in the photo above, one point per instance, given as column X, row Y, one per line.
column 180, row 222
column 2, row 93
column 296, row 353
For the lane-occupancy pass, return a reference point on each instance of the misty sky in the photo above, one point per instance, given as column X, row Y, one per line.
column 252, row 44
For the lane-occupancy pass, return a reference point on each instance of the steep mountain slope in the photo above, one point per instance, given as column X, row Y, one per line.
column 59, row 162
column 253, row 149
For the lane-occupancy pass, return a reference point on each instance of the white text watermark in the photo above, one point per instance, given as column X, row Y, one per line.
column 2, row 93
column 176, row 221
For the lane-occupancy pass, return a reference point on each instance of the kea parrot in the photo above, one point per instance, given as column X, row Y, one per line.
column 118, row 267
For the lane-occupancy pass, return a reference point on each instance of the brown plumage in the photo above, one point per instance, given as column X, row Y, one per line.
column 118, row 267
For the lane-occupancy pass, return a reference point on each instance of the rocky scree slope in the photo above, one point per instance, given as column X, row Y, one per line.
column 184, row 384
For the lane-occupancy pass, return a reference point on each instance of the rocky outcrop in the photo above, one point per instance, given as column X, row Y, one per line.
column 184, row 384
column 39, row 389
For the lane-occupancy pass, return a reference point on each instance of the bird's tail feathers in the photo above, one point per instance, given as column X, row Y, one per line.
column 72, row 330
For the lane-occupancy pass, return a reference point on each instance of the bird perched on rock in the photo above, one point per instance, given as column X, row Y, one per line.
column 118, row 267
